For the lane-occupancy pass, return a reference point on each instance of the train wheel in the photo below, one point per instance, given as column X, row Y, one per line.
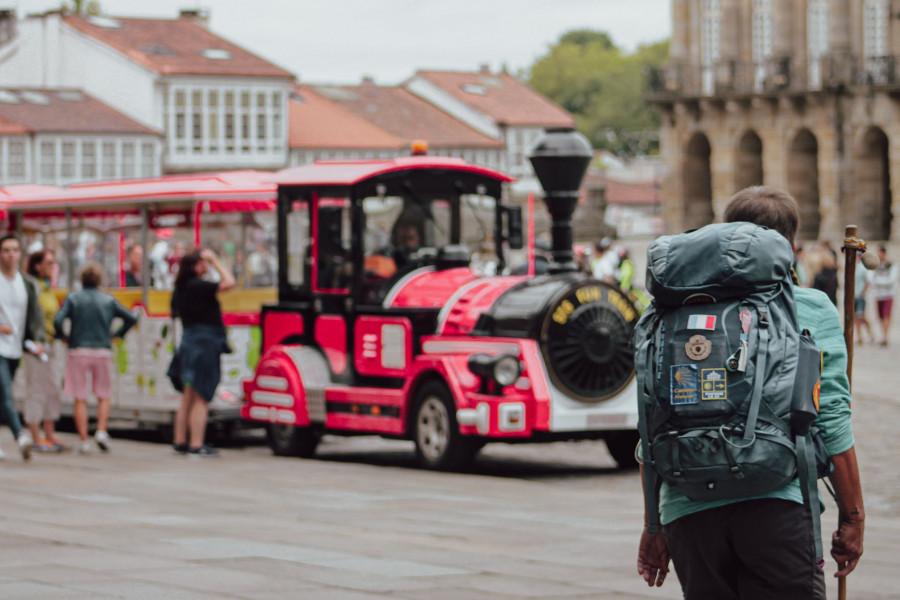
column 287, row 440
column 621, row 445
column 439, row 444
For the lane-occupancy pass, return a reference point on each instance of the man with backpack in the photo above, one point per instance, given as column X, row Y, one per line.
column 739, row 539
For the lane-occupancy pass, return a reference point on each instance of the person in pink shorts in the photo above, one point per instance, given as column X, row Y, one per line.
column 91, row 313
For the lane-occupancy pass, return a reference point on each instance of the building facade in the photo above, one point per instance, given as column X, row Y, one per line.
column 218, row 106
column 799, row 94
column 58, row 137
column 498, row 106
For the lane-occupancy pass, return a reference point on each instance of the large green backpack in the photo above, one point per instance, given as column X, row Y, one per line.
column 727, row 384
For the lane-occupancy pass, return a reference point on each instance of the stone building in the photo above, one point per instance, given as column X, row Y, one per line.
column 798, row 94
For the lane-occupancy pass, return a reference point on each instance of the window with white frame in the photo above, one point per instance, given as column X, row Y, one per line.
column 762, row 40
column 108, row 160
column 710, row 42
column 67, row 166
column 148, row 160
column 210, row 121
column 875, row 41
column 816, row 39
column 17, row 164
column 88, row 159
column 47, row 162
column 128, row 160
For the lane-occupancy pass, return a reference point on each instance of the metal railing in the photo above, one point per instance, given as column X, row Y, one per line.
column 775, row 75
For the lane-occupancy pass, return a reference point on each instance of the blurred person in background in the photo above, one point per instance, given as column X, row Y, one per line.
column 91, row 313
column 826, row 279
column 42, row 404
column 861, row 288
column 884, row 282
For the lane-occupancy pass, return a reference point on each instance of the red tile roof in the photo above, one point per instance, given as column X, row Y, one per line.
column 175, row 46
column 618, row 192
column 63, row 111
column 399, row 112
column 8, row 127
column 500, row 96
column 317, row 122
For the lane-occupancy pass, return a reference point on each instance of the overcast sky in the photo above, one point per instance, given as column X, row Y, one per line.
column 340, row 41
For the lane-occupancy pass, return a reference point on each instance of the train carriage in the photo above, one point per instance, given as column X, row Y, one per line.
column 394, row 317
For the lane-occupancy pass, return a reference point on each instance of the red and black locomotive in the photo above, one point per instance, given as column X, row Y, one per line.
column 388, row 323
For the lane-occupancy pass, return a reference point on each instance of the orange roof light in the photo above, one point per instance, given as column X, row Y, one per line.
column 418, row 148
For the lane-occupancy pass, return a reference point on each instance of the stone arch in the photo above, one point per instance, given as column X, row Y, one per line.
column 696, row 175
column 803, row 182
column 870, row 204
column 749, row 164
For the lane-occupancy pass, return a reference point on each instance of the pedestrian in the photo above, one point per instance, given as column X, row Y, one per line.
column 42, row 404
column 884, row 282
column 21, row 324
column 196, row 367
column 91, row 313
column 826, row 280
column 861, row 287
column 134, row 276
column 762, row 547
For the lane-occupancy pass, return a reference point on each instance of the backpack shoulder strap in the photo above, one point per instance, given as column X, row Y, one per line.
column 644, row 369
column 806, row 467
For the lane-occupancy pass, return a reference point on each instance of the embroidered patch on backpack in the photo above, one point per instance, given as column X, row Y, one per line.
column 683, row 387
column 707, row 322
column 698, row 347
column 713, row 384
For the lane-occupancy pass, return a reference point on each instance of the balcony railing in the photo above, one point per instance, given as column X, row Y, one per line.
column 775, row 75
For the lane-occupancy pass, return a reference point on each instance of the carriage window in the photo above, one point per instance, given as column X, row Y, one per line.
column 297, row 243
column 334, row 264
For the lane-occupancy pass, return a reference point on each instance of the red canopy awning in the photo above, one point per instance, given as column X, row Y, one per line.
column 351, row 172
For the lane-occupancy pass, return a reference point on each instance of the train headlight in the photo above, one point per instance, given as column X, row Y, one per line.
column 504, row 369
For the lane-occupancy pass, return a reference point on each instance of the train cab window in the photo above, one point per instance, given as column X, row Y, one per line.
column 298, row 245
column 333, row 240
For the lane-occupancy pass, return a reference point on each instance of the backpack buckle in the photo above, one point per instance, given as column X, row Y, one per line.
column 763, row 318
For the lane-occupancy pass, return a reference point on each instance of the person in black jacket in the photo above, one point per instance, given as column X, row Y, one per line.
column 196, row 368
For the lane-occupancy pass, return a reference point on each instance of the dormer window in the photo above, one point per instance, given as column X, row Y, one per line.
column 216, row 54
column 474, row 88
column 8, row 97
column 34, row 97
column 104, row 22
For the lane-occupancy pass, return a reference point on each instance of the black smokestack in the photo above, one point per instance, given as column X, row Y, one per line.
column 560, row 160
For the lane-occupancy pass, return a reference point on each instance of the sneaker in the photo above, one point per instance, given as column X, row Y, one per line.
column 45, row 447
column 203, row 451
column 86, row 447
column 102, row 439
column 25, row 445
column 180, row 449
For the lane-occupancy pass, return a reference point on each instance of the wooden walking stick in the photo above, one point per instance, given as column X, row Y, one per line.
column 852, row 246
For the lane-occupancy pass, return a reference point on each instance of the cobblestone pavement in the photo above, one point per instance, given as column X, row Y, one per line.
column 554, row 521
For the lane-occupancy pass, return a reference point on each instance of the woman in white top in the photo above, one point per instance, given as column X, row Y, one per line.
column 884, row 282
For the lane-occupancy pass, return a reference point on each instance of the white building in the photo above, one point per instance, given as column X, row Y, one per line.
column 218, row 106
column 496, row 105
column 58, row 137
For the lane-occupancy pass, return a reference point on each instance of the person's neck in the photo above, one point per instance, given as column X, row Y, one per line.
column 8, row 273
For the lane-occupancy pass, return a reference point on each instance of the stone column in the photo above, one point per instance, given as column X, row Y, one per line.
column 681, row 16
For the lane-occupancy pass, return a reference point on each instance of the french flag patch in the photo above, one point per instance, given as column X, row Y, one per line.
column 707, row 322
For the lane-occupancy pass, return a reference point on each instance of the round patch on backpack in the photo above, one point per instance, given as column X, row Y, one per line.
column 698, row 347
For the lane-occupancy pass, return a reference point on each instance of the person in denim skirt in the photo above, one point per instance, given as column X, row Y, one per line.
column 91, row 314
column 196, row 366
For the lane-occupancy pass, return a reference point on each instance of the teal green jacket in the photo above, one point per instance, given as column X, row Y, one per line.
column 816, row 313
column 91, row 313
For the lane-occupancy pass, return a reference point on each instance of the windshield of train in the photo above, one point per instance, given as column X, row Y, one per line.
column 410, row 230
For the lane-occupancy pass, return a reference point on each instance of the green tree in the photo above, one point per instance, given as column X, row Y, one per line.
column 588, row 75
column 82, row 7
